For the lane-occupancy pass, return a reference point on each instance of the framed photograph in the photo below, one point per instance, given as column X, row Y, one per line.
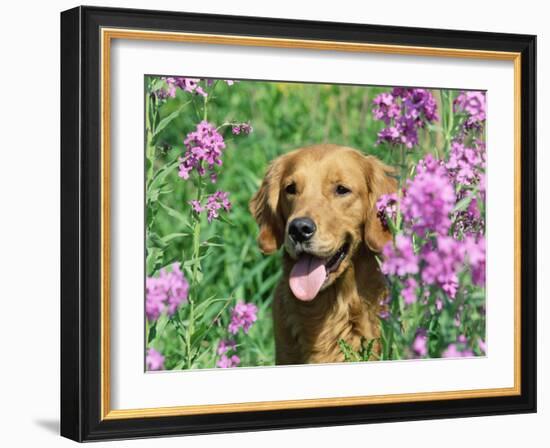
column 276, row 224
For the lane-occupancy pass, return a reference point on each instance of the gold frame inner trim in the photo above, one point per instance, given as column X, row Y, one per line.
column 107, row 35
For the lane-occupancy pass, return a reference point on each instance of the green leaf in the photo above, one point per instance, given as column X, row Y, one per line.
column 153, row 261
column 158, row 180
column 199, row 334
column 464, row 203
column 153, row 240
column 166, row 121
column 174, row 213
column 173, row 236
column 152, row 332
column 348, row 352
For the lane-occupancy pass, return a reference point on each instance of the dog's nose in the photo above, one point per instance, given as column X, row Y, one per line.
column 301, row 229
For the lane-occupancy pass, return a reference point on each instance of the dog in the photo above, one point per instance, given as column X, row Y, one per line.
column 319, row 202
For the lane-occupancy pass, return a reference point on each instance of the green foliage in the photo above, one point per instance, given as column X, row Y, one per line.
column 222, row 259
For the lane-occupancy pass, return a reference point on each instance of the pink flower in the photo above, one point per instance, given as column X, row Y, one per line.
column 226, row 345
column 475, row 254
column 465, row 164
column 429, row 199
column 474, row 104
column 214, row 203
column 404, row 111
column 454, row 351
column 409, row 293
column 154, row 360
column 226, row 362
column 442, row 263
column 399, row 259
column 420, row 343
column 196, row 206
column 387, row 208
column 204, row 148
column 242, row 128
column 242, row 316
column 165, row 293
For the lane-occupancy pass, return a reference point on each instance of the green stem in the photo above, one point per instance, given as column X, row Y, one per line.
column 403, row 165
column 149, row 132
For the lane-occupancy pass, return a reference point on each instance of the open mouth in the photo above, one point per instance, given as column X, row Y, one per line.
column 334, row 262
column 310, row 273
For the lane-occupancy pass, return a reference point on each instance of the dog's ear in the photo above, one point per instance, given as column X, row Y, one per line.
column 379, row 182
column 264, row 206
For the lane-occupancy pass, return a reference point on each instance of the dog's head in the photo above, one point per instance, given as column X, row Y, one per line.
column 320, row 203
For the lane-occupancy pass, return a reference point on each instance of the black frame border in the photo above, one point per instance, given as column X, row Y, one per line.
column 81, row 223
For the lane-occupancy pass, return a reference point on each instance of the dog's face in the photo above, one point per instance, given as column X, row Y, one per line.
column 320, row 203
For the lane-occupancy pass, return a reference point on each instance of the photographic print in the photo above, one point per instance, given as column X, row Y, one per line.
column 303, row 201
column 296, row 223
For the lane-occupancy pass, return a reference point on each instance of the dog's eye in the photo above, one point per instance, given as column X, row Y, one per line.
column 341, row 190
column 291, row 188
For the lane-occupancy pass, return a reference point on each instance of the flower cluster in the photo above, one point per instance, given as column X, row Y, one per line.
column 404, row 111
column 399, row 258
column 429, row 199
column 227, row 360
column 241, row 128
column 459, row 349
column 473, row 103
column 214, row 203
column 154, row 360
column 465, row 165
column 242, row 316
column 438, row 252
column 420, row 343
column 204, row 148
column 165, row 293
column 189, row 85
column 442, row 262
column 386, row 207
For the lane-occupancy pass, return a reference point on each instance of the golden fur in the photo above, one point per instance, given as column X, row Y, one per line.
column 347, row 305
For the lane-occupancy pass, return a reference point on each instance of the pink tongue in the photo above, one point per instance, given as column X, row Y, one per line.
column 307, row 277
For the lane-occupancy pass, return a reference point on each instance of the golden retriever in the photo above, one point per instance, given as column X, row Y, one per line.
column 319, row 202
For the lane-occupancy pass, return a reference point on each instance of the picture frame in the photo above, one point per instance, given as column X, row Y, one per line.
column 87, row 35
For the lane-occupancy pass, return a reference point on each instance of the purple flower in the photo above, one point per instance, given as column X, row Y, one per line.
column 404, row 111
column 429, row 199
column 214, row 203
column 242, row 128
column 242, row 316
column 190, row 85
column 226, row 362
column 204, row 148
column 399, row 259
column 386, row 107
column 154, row 360
column 164, row 93
column 196, row 206
column 420, row 343
column 384, row 312
column 442, row 263
column 409, row 293
column 465, row 164
column 457, row 351
column 387, row 208
column 475, row 254
column 165, row 293
column 469, row 222
column 474, row 104
column 226, row 345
